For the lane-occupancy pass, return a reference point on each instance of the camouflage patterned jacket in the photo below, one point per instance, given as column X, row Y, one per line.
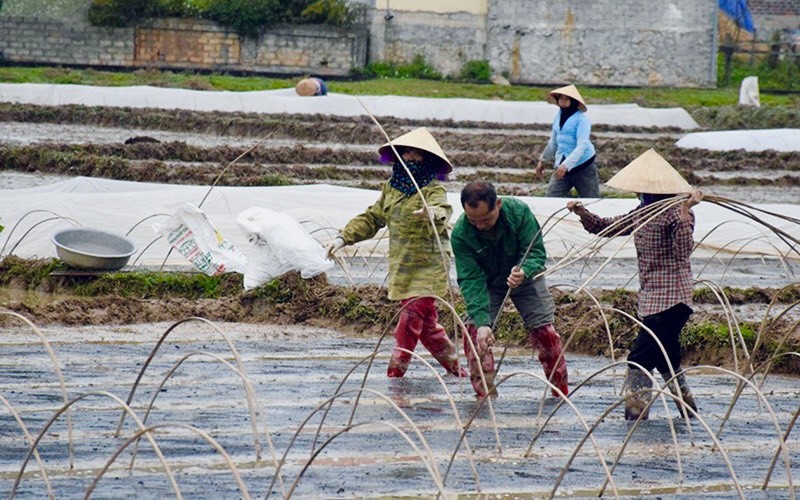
column 415, row 262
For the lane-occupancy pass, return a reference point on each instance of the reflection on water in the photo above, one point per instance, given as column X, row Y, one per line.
column 293, row 370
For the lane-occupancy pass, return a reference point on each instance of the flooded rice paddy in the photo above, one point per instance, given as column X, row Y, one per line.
column 396, row 440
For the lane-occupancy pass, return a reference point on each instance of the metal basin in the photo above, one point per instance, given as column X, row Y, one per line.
column 86, row 248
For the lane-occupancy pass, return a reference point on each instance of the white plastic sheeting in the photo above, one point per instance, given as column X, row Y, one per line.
column 778, row 139
column 119, row 205
column 287, row 101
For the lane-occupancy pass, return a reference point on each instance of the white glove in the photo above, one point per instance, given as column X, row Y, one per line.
column 484, row 340
column 333, row 246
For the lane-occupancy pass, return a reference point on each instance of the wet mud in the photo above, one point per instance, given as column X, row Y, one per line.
column 355, row 303
column 294, row 370
column 307, row 338
column 193, row 148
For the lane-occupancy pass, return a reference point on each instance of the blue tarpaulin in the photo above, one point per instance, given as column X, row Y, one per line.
column 739, row 12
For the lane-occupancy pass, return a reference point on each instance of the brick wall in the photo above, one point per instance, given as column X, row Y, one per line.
column 774, row 7
column 774, row 17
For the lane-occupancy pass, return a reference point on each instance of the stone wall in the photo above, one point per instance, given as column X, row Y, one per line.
column 186, row 43
column 617, row 42
column 320, row 50
column 602, row 42
column 446, row 41
column 182, row 43
column 771, row 16
column 775, row 7
column 50, row 41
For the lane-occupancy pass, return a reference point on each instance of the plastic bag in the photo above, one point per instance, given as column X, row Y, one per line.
column 748, row 92
column 280, row 245
column 191, row 233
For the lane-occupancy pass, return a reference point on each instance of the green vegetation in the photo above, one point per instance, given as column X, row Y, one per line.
column 27, row 274
column 476, row 71
column 386, row 82
column 146, row 285
column 772, row 72
column 246, row 17
column 708, row 334
column 418, row 68
column 333, row 12
column 276, row 180
column 119, row 13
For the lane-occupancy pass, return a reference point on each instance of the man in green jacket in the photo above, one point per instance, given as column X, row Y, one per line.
column 498, row 245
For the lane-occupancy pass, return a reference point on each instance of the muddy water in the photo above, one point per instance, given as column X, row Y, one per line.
column 618, row 273
column 294, row 369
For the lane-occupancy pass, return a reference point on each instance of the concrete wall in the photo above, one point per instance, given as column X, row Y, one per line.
column 602, row 42
column 447, row 41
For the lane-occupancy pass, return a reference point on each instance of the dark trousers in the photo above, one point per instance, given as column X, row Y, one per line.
column 667, row 326
column 585, row 180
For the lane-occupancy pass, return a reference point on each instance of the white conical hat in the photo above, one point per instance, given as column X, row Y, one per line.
column 570, row 91
column 650, row 173
column 420, row 138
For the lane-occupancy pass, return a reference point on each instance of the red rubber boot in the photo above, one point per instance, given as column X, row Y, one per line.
column 548, row 341
column 486, row 362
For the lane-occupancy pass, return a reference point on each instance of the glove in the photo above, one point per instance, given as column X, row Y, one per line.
column 484, row 340
column 333, row 246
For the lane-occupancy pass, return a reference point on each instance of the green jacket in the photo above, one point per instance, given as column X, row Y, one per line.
column 484, row 260
column 415, row 262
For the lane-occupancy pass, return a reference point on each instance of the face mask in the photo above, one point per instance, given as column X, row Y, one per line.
column 422, row 172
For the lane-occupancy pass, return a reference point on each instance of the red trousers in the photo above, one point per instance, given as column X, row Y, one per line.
column 419, row 321
column 544, row 338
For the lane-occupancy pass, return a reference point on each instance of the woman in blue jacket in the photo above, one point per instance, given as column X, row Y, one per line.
column 569, row 148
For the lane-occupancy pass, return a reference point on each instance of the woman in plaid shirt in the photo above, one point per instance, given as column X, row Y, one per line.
column 663, row 246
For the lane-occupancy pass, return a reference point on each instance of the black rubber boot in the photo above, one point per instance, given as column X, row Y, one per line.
column 636, row 389
column 685, row 391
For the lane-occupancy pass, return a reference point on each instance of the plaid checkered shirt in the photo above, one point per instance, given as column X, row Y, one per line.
column 663, row 248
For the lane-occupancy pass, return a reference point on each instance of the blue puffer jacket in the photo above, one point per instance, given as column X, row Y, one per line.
column 570, row 141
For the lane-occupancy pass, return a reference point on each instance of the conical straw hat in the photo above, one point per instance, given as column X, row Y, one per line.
column 650, row 173
column 419, row 138
column 307, row 87
column 570, row 91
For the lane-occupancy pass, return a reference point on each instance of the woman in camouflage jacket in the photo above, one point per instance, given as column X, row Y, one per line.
column 417, row 271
